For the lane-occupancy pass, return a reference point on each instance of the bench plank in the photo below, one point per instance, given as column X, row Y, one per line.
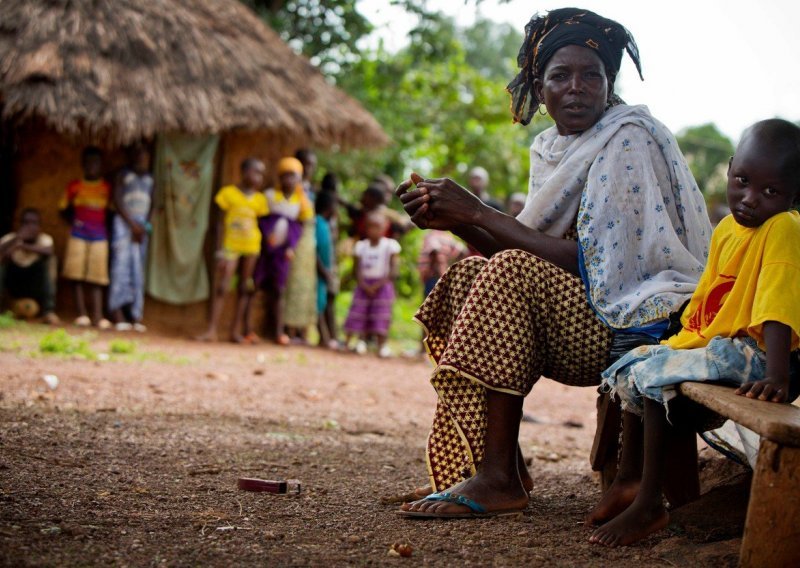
column 777, row 422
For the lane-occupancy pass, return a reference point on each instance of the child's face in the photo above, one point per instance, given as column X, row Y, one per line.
column 375, row 228
column 141, row 160
column 758, row 188
column 29, row 227
column 92, row 167
column 253, row 175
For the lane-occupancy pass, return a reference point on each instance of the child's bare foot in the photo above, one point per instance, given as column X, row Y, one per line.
column 283, row 339
column 616, row 499
column 634, row 524
column 208, row 337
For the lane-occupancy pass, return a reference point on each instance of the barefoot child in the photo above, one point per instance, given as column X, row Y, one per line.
column 325, row 207
column 289, row 209
column 86, row 259
column 241, row 245
column 739, row 328
column 376, row 259
column 133, row 192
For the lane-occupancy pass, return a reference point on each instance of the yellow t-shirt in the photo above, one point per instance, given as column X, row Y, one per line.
column 751, row 277
column 241, row 219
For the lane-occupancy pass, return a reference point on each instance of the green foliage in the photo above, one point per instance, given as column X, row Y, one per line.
column 443, row 114
column 59, row 342
column 325, row 31
column 122, row 347
column 707, row 150
column 7, row 320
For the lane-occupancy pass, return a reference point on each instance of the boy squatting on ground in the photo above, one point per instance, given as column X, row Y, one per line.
column 25, row 260
column 739, row 328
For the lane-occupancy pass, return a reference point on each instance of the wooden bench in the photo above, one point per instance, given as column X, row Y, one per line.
column 772, row 527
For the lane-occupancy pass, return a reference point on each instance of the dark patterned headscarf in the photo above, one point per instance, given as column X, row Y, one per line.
column 544, row 35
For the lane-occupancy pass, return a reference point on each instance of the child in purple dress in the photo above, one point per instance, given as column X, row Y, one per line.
column 376, row 259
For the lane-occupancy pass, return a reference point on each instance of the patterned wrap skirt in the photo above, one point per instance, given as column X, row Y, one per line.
column 501, row 324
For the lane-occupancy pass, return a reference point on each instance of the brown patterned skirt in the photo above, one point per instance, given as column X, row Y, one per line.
column 501, row 324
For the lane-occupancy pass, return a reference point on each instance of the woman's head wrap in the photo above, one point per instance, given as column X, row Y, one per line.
column 544, row 35
column 290, row 165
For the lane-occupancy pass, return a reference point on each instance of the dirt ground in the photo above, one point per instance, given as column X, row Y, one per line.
column 132, row 460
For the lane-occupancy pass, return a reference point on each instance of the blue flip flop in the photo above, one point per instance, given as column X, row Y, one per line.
column 476, row 510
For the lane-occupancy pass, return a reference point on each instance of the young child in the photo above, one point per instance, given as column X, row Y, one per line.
column 325, row 207
column 26, row 258
column 376, row 260
column 439, row 250
column 133, row 193
column 739, row 328
column 373, row 200
column 330, row 185
column 281, row 230
column 86, row 259
column 241, row 245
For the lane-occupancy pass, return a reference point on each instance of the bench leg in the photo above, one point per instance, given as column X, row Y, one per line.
column 772, row 529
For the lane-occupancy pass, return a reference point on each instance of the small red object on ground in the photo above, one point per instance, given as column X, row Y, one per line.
column 253, row 484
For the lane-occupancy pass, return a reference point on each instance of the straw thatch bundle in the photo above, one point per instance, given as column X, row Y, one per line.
column 115, row 71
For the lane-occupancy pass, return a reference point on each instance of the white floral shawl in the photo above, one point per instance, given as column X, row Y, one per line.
column 643, row 230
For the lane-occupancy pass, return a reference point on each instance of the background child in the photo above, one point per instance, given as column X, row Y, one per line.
column 325, row 207
column 330, row 184
column 133, row 193
column 241, row 245
column 26, row 258
column 281, row 230
column 372, row 200
column 739, row 327
column 439, row 250
column 86, row 261
column 376, row 260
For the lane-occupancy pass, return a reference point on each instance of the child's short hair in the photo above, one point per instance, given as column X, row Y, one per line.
column 329, row 182
column 375, row 192
column 247, row 163
column 30, row 211
column 325, row 201
column 91, row 152
column 783, row 140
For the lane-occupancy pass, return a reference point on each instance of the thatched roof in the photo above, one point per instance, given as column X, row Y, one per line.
column 118, row 70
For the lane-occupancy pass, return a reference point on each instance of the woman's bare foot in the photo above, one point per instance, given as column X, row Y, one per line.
column 634, row 524
column 494, row 494
column 616, row 499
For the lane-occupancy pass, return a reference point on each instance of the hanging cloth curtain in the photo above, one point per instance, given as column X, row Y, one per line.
column 184, row 172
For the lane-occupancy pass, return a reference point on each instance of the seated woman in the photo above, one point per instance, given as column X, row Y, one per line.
column 613, row 237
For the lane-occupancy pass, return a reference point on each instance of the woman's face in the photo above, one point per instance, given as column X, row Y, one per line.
column 575, row 88
column 289, row 181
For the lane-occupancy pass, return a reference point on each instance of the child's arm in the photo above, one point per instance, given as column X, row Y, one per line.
column 775, row 386
column 394, row 267
column 359, row 278
column 9, row 246
column 137, row 231
column 322, row 271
